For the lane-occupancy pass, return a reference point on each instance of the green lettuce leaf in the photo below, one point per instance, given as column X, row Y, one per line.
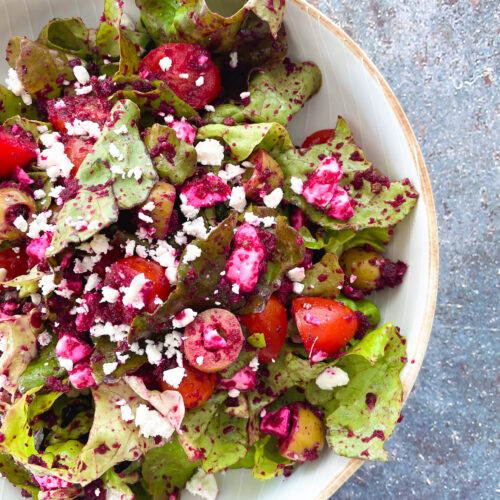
column 116, row 485
column 324, row 278
column 357, row 424
column 193, row 21
column 11, row 105
column 380, row 209
column 173, row 168
column 26, row 283
column 28, row 125
column 38, row 67
column 67, row 35
column 18, row 337
column 364, row 306
column 244, row 139
column 166, row 470
column 17, row 475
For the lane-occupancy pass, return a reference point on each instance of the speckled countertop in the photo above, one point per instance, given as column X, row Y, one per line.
column 441, row 58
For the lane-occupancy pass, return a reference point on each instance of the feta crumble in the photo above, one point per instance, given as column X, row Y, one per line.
column 81, row 74
column 109, row 368
column 273, row 199
column 238, row 200
column 183, row 319
column 332, row 377
column 15, row 85
column 191, row 253
column 132, row 295
column 210, row 152
column 165, row 63
column 296, row 274
column 203, row 485
column 151, row 423
column 174, row 376
column 296, row 185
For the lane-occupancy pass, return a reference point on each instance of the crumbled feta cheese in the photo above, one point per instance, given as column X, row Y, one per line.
column 164, row 254
column 230, row 172
column 238, row 200
column 296, row 185
column 165, row 63
column 233, row 59
column 183, row 319
column 146, row 218
column 38, row 194
column 244, row 95
column 46, row 284
column 21, row 223
column 132, row 294
column 233, row 393
column 210, row 152
column 141, row 251
column 40, row 224
column 254, row 364
column 151, row 423
column 256, row 221
column 199, row 360
column 81, row 74
column 109, row 294
column 116, row 333
column 53, row 159
column 129, row 248
column 235, row 288
column 109, row 368
column 296, row 274
column 83, row 128
column 298, row 288
column 332, row 377
column 273, row 199
column 15, row 85
column 184, row 76
column 136, row 173
column 188, row 211
column 99, row 244
column 45, row 338
column 171, row 274
column 203, row 485
column 153, row 352
column 148, row 207
column 115, row 152
column 65, row 363
column 122, row 130
column 195, row 228
column 200, row 81
column 174, row 376
column 122, row 358
column 126, row 411
column 192, row 252
column 209, row 108
column 84, row 90
column 180, row 238
column 92, row 281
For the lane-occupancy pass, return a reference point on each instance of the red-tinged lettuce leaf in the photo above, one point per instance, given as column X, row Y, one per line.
column 242, row 140
column 18, row 335
column 18, row 476
column 362, row 415
column 377, row 206
column 193, row 21
column 166, row 470
column 196, row 280
column 324, row 278
column 11, row 105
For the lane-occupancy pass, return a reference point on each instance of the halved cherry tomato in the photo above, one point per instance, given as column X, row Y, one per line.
column 77, row 150
column 196, row 387
column 122, row 273
column 15, row 263
column 272, row 322
column 14, row 151
column 319, row 137
column 67, row 109
column 187, row 69
column 324, row 325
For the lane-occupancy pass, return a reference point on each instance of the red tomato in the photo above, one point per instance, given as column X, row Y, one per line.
column 319, row 137
column 122, row 273
column 77, row 150
column 188, row 70
column 15, row 263
column 196, row 387
column 67, row 109
column 14, row 151
column 324, row 325
column 272, row 322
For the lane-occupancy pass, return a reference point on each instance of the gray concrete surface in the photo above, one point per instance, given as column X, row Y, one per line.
column 441, row 58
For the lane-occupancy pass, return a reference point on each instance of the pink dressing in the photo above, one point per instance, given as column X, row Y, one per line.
column 184, row 131
column 69, row 347
column 245, row 263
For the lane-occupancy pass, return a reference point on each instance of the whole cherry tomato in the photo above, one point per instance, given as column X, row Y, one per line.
column 272, row 322
column 325, row 325
column 196, row 387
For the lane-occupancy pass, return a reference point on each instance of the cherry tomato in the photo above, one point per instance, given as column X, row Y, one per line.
column 77, row 150
column 14, row 151
column 272, row 322
column 15, row 263
column 319, row 137
column 187, row 69
column 196, row 387
column 67, row 109
column 324, row 325
column 122, row 273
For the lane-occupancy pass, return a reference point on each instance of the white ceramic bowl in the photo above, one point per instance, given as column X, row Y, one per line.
column 353, row 88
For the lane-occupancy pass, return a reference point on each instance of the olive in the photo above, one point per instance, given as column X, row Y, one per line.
column 306, row 437
column 365, row 266
column 213, row 340
column 14, row 203
column 163, row 197
column 264, row 177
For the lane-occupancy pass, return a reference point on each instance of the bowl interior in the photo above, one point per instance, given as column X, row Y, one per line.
column 354, row 89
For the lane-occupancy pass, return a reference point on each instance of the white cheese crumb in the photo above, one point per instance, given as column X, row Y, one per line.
column 39, row 194
column 233, row 393
column 200, row 81
column 233, row 59
column 188, row 211
column 66, row 363
column 84, row 90
column 81, row 74
column 148, row 207
column 203, row 485
column 116, row 333
column 153, row 352
column 256, row 221
column 92, row 281
column 151, row 423
column 109, row 294
column 184, row 76
column 296, row 185
column 230, row 172
column 126, row 411
column 245, row 95
column 21, row 223
column 273, row 199
column 296, row 274
column 191, row 253
column 235, row 288
column 210, row 152
column 195, row 228
column 165, row 63
column 132, row 294
column 238, row 200
column 174, row 376
column 298, row 288
column 121, row 130
column 45, row 338
column 146, row 218
column 109, row 368
column 332, row 377
column 83, row 128
column 115, row 152
column 15, row 85
column 209, row 108
column 254, row 364
column 46, row 284
column 183, row 319
column 199, row 360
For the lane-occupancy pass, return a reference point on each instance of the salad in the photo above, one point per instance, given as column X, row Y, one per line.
column 183, row 290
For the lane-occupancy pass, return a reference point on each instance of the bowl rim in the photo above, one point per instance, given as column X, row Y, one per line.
column 432, row 231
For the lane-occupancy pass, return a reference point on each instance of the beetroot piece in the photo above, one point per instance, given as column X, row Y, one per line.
column 227, row 326
column 15, row 152
column 72, row 348
column 266, row 175
column 277, row 423
column 206, row 191
column 81, row 376
column 184, row 131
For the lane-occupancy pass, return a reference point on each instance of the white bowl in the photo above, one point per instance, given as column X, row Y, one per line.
column 353, row 88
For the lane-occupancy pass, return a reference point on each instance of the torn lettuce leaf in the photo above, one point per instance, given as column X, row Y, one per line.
column 242, row 140
column 176, row 164
column 17, row 475
column 18, row 337
column 363, row 414
column 377, row 206
column 12, row 105
column 324, row 278
column 29, row 125
column 27, row 283
column 364, row 306
column 166, row 470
